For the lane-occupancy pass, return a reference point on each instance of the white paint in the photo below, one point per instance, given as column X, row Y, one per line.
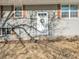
column 65, row 27
column 68, row 27
column 42, row 22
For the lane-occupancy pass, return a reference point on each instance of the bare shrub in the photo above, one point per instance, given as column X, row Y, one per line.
column 59, row 38
column 74, row 38
column 63, row 38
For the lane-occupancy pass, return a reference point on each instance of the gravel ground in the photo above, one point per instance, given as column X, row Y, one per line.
column 50, row 50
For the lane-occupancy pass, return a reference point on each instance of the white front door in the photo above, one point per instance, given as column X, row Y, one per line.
column 42, row 22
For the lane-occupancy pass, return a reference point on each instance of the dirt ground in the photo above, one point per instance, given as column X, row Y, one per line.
column 50, row 50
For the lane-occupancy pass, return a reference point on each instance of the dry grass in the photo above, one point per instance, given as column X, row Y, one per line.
column 51, row 50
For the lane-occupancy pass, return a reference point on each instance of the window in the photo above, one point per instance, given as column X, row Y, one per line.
column 5, row 31
column 18, row 11
column 65, row 11
column 5, row 10
column 73, row 11
column 69, row 11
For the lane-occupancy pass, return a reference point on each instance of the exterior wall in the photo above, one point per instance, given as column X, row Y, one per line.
column 65, row 27
column 68, row 27
column 31, row 11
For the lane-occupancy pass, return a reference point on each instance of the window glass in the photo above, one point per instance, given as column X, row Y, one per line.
column 18, row 14
column 73, row 11
column 18, row 8
column 65, row 11
column 18, row 11
column 8, row 30
column 5, row 31
column 6, row 10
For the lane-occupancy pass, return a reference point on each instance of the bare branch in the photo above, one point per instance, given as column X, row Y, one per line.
column 27, row 26
column 8, row 17
column 20, row 39
column 25, row 31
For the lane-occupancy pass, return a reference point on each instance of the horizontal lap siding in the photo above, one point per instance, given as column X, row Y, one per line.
column 67, row 26
column 31, row 11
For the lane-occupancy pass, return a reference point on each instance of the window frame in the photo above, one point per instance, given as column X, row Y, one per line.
column 65, row 10
column 69, row 11
column 5, row 32
column 75, row 10
column 21, row 11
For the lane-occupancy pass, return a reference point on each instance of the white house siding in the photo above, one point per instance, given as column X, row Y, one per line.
column 68, row 27
column 65, row 27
